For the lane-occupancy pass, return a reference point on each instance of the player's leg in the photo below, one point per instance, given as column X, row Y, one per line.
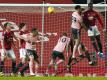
column 23, row 59
column 77, row 42
column 91, row 34
column 3, row 56
column 36, row 67
column 99, row 43
column 69, row 64
column 31, row 60
column 31, row 65
column 70, row 58
column 76, row 36
column 52, row 61
column 92, row 38
column 36, row 62
column 13, row 58
column 97, row 36
column 26, row 67
column 81, row 56
column 61, row 60
column 87, row 54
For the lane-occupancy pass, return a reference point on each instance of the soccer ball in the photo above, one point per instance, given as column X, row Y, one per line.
column 51, row 10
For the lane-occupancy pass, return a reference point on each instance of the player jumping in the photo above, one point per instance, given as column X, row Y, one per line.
column 77, row 24
column 90, row 17
column 84, row 50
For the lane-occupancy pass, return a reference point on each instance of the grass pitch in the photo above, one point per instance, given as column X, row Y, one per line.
column 53, row 78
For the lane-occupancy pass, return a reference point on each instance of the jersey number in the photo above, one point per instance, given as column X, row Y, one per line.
column 63, row 40
column 73, row 19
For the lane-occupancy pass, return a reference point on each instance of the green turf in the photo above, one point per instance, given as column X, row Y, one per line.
column 53, row 78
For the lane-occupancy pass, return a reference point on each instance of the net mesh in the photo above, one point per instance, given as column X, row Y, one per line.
column 58, row 22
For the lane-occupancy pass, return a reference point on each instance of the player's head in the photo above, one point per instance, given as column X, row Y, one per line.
column 78, row 8
column 90, row 5
column 64, row 34
column 7, row 26
column 34, row 32
column 82, row 9
column 22, row 26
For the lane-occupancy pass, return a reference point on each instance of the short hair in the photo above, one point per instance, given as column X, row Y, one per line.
column 7, row 24
column 21, row 25
column 90, row 3
column 34, row 29
column 82, row 9
column 65, row 34
column 77, row 7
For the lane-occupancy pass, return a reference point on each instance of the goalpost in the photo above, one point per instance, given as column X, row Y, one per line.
column 36, row 15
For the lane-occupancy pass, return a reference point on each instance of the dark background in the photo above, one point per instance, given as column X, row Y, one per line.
column 50, row 1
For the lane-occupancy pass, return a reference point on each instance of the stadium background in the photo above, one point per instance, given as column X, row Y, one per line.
column 59, row 22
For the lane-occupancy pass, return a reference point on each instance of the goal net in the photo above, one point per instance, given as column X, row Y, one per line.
column 36, row 15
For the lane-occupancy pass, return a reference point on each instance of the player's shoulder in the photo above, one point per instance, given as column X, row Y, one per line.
column 87, row 11
column 66, row 37
column 11, row 32
column 75, row 13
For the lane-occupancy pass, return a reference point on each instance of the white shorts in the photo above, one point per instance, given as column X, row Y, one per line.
column 94, row 31
column 23, row 53
column 9, row 53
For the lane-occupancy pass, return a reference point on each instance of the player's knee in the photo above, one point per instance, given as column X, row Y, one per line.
column 3, row 58
column 49, row 66
column 36, row 65
column 23, row 60
column 93, row 41
column 62, row 60
column 13, row 59
column 75, row 47
column 31, row 58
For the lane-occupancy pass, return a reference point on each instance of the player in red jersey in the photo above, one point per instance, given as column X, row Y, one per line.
column 7, row 47
column 89, row 18
column 22, row 50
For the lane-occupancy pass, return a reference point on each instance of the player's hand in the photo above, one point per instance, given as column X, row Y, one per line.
column 67, row 54
column 4, row 51
column 104, row 30
column 90, row 28
column 29, row 41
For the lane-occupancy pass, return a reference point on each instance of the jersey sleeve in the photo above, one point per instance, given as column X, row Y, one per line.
column 99, row 19
column 2, row 36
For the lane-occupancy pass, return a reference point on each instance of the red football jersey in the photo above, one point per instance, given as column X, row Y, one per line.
column 22, row 42
column 90, row 17
column 8, row 39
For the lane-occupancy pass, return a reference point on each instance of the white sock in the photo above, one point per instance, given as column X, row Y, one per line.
column 31, row 67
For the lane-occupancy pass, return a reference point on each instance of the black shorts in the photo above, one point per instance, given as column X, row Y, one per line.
column 56, row 54
column 75, row 33
column 83, row 47
column 32, row 53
